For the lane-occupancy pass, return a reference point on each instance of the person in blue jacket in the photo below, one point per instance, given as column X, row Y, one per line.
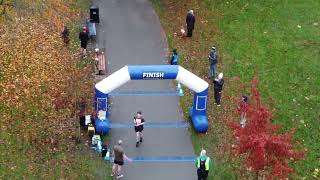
column 213, row 59
column 174, row 57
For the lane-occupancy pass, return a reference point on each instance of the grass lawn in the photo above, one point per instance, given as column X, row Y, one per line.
column 279, row 42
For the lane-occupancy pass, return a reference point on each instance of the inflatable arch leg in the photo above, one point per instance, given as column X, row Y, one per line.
column 198, row 112
column 102, row 124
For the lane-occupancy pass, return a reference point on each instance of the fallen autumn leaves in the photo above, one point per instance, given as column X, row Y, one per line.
column 40, row 87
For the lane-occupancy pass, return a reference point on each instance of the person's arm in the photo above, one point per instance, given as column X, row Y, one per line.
column 112, row 154
column 134, row 120
column 210, row 57
column 196, row 162
column 222, row 84
column 87, row 35
column 142, row 121
column 126, row 158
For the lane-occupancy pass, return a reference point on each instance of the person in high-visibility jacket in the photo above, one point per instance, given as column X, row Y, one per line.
column 203, row 164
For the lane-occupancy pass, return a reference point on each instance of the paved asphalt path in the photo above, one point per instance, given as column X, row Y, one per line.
column 131, row 34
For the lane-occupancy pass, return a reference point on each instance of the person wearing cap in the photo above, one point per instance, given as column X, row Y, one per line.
column 119, row 157
column 213, row 59
column 84, row 37
column 190, row 20
column 100, row 61
column 218, row 86
column 174, row 57
column 203, row 164
column 138, row 127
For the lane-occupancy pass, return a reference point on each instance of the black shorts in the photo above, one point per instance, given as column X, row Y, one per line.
column 84, row 45
column 120, row 163
column 138, row 128
column 202, row 174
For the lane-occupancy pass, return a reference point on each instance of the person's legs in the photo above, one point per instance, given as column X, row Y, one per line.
column 205, row 175
column 137, row 138
column 119, row 175
column 119, row 170
column 212, row 70
column 140, row 133
column 199, row 174
column 84, row 51
column 81, row 50
column 114, row 169
column 218, row 98
column 83, row 47
column 189, row 33
column 202, row 175
column 243, row 119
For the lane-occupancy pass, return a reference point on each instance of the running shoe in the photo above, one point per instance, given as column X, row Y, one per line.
column 119, row 176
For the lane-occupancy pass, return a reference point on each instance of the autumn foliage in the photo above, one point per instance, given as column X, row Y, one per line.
column 265, row 149
column 41, row 84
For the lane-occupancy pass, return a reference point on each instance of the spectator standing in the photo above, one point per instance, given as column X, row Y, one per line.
column 119, row 157
column 203, row 164
column 65, row 35
column 174, row 57
column 213, row 59
column 84, row 37
column 243, row 108
column 218, row 86
column 190, row 20
column 100, row 62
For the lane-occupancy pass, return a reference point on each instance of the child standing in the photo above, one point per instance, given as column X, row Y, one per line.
column 174, row 57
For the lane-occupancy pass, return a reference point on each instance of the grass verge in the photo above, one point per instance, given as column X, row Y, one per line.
column 276, row 40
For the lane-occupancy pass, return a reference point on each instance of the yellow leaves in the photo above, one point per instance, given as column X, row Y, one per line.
column 36, row 70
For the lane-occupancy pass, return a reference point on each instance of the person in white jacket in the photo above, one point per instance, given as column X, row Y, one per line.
column 100, row 61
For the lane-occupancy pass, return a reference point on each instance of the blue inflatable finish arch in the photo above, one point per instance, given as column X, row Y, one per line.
column 198, row 111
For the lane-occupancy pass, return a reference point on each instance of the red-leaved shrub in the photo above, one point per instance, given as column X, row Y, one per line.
column 265, row 149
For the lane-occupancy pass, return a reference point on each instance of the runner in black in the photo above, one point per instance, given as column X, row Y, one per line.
column 138, row 127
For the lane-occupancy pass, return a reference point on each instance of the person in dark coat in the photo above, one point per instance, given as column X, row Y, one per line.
column 213, row 58
column 65, row 35
column 190, row 20
column 174, row 57
column 218, row 85
column 84, row 37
